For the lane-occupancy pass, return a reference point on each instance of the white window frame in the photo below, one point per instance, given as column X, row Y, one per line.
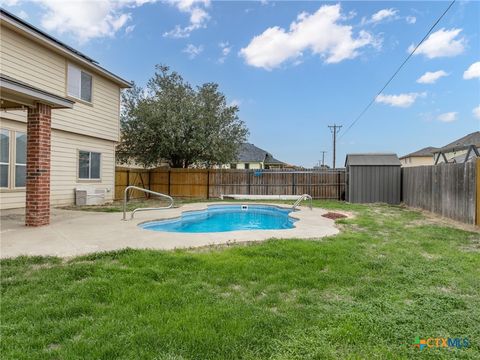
column 9, row 159
column 14, row 168
column 12, row 160
column 79, row 86
column 89, row 178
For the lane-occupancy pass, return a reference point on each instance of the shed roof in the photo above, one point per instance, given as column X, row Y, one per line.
column 427, row 151
column 373, row 159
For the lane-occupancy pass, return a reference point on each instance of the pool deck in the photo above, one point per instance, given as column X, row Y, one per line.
column 73, row 233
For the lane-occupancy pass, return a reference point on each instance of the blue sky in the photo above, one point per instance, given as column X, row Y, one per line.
column 296, row 67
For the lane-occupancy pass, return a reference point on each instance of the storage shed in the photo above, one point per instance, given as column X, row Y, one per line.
column 373, row 178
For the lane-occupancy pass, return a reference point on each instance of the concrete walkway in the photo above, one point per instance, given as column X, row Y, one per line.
column 74, row 233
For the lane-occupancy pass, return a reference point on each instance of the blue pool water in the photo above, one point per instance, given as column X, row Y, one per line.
column 220, row 218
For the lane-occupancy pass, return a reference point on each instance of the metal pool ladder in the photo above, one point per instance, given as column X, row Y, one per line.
column 300, row 199
column 144, row 209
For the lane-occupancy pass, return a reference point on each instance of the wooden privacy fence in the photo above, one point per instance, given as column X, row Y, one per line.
column 202, row 183
column 450, row 190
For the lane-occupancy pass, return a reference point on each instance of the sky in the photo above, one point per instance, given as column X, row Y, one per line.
column 295, row 67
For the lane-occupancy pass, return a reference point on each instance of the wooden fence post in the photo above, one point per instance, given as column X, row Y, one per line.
column 168, row 182
column 128, row 184
column 293, row 184
column 208, row 184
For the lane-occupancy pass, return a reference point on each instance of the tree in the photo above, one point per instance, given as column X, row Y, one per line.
column 171, row 121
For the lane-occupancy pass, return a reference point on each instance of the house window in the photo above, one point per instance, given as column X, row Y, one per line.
column 20, row 159
column 13, row 151
column 233, row 166
column 79, row 83
column 247, row 166
column 88, row 165
column 4, row 157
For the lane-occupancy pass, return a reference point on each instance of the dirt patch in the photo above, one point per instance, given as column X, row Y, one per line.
column 431, row 218
column 334, row 216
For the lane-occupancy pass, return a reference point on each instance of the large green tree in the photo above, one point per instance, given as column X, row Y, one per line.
column 171, row 121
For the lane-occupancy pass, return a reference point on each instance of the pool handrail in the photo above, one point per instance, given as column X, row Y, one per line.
column 125, row 199
column 300, row 199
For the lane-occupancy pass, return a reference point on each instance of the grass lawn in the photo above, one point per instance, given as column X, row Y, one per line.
column 117, row 205
column 390, row 276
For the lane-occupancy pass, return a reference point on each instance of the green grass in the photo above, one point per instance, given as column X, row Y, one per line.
column 366, row 293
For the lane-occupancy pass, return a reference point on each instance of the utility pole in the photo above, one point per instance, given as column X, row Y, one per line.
column 334, row 129
column 323, row 158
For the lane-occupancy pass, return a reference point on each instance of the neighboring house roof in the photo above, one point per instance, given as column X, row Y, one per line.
column 427, row 151
column 250, row 153
column 373, row 159
column 33, row 32
column 462, row 143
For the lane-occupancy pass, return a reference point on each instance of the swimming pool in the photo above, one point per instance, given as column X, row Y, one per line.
column 221, row 218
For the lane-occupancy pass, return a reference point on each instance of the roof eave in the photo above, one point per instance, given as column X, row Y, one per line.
column 20, row 93
column 40, row 36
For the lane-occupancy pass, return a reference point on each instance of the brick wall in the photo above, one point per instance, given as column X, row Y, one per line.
column 38, row 166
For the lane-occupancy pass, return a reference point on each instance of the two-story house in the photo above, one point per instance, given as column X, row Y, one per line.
column 252, row 157
column 419, row 158
column 59, row 113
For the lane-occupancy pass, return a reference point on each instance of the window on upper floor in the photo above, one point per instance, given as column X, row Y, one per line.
column 79, row 83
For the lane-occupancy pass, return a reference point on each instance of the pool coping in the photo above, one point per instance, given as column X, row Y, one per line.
column 217, row 204
column 73, row 233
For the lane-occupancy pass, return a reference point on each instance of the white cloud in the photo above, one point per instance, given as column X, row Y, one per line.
column 193, row 51
column 411, row 19
column 129, row 29
column 379, row 16
column 447, row 117
column 235, row 102
column 198, row 17
column 320, row 32
column 431, row 77
column 87, row 20
column 23, row 15
column 10, row 2
column 476, row 112
column 472, row 72
column 442, row 43
column 225, row 49
column 400, row 100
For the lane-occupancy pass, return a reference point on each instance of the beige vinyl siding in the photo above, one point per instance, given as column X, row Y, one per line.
column 417, row 161
column 64, row 167
column 64, row 170
column 31, row 63
column 25, row 60
column 100, row 119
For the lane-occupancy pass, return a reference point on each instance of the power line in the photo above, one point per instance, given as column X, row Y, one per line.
column 398, row 70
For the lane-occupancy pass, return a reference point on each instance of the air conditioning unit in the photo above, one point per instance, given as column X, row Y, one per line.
column 89, row 195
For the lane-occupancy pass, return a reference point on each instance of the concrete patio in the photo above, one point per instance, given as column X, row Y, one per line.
column 73, row 233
